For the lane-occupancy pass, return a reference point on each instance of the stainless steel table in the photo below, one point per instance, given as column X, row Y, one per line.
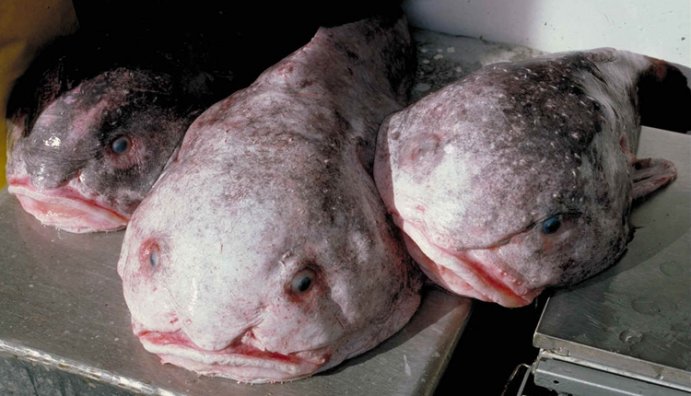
column 627, row 331
column 64, row 327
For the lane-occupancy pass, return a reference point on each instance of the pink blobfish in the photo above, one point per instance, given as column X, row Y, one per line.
column 521, row 176
column 264, row 253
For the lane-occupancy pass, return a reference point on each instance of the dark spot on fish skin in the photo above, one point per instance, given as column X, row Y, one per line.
column 305, row 83
column 615, row 245
column 426, row 147
column 352, row 55
column 573, row 274
column 602, row 196
column 599, row 120
column 365, row 154
column 548, row 93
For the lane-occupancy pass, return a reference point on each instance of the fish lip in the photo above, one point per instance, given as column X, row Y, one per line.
column 65, row 208
column 506, row 294
column 174, row 347
column 511, row 297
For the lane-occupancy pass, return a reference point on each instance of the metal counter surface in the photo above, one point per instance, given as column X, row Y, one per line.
column 635, row 318
column 61, row 306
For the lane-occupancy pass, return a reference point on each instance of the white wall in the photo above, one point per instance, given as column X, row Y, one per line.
column 659, row 28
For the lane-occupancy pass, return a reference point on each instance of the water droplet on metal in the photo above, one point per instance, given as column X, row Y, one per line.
column 630, row 336
column 652, row 306
column 672, row 268
column 645, row 306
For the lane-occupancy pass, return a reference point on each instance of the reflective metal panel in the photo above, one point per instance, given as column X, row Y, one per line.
column 635, row 318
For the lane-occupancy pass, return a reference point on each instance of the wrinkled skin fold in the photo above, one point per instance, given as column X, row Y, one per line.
column 521, row 176
column 263, row 253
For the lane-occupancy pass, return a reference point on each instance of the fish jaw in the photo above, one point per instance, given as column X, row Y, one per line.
column 66, row 208
column 240, row 362
column 476, row 273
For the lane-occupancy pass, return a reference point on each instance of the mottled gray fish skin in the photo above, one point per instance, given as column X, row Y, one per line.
column 263, row 253
column 94, row 119
column 522, row 175
column 94, row 151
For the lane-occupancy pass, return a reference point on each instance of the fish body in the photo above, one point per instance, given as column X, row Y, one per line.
column 522, row 175
column 263, row 253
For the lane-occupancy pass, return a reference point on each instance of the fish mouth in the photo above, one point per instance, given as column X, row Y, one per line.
column 65, row 208
column 240, row 362
column 463, row 273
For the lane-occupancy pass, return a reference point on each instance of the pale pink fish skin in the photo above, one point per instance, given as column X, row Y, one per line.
column 474, row 172
column 272, row 187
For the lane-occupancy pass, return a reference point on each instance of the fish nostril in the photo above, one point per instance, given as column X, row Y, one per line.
column 173, row 319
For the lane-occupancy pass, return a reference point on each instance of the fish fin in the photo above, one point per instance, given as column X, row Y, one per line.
column 664, row 97
column 650, row 174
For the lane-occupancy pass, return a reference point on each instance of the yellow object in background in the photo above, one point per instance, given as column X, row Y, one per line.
column 25, row 25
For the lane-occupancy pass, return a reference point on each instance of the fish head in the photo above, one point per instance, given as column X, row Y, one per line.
column 92, row 152
column 510, row 182
column 263, row 279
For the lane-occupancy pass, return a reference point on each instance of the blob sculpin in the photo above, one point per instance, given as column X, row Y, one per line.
column 92, row 126
column 521, row 176
column 263, row 253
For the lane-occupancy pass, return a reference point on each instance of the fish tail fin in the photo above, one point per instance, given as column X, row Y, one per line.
column 401, row 61
column 389, row 49
column 664, row 97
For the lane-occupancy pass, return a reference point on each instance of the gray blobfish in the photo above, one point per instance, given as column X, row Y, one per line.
column 522, row 175
column 92, row 125
column 263, row 253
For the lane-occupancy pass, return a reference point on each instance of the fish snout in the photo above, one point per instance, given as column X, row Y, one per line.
column 204, row 339
column 216, row 339
column 207, row 342
column 48, row 181
column 46, row 175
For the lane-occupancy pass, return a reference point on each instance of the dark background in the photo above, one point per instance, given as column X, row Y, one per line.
column 495, row 341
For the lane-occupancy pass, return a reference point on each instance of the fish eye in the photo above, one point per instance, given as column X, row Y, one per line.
column 120, row 145
column 153, row 258
column 302, row 281
column 150, row 254
column 551, row 224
